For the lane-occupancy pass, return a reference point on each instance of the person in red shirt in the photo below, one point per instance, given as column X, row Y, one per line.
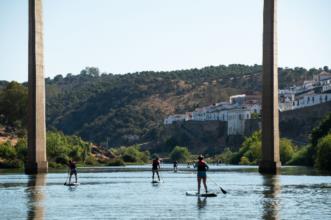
column 156, row 167
column 202, row 168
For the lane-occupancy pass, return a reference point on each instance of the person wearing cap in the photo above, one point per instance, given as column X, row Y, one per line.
column 202, row 168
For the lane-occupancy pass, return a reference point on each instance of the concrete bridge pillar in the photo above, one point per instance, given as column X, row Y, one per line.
column 36, row 156
column 270, row 163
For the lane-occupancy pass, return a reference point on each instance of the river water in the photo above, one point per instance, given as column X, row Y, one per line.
column 298, row 193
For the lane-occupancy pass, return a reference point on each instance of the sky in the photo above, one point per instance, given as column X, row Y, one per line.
column 121, row 36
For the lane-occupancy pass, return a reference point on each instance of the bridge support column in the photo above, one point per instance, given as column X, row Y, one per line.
column 270, row 163
column 36, row 156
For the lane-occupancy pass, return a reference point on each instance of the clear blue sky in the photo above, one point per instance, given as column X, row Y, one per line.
column 121, row 36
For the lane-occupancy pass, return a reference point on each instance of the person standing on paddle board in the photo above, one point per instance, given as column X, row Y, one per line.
column 202, row 168
column 175, row 166
column 156, row 167
column 72, row 168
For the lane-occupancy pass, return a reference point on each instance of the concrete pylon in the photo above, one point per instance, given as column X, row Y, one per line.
column 36, row 156
column 270, row 163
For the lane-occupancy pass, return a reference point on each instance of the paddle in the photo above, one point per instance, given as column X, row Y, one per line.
column 65, row 183
column 223, row 191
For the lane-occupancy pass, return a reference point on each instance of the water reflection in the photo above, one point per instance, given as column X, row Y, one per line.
column 202, row 202
column 35, row 196
column 72, row 188
column 271, row 197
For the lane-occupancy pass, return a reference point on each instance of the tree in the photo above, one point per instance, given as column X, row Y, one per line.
column 56, row 145
column 180, row 154
column 251, row 150
column 317, row 133
column 13, row 104
column 21, row 148
column 7, row 151
column 326, row 68
column 226, row 156
column 323, row 157
column 244, row 161
column 286, row 150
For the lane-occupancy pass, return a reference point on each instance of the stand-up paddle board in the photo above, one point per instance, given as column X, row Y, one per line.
column 195, row 193
column 72, row 184
column 155, row 181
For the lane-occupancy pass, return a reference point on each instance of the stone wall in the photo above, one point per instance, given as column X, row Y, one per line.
column 211, row 136
column 297, row 124
column 199, row 136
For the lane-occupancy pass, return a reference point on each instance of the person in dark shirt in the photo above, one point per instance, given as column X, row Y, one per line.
column 175, row 166
column 72, row 169
column 156, row 167
column 202, row 168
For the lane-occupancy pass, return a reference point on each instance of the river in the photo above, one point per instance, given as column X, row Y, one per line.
column 298, row 193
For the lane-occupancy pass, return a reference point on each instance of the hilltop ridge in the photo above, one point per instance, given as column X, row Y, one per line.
column 115, row 110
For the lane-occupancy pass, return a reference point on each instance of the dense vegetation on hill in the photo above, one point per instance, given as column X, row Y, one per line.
column 116, row 110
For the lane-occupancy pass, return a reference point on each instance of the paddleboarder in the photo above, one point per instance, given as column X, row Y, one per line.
column 202, row 168
column 73, row 171
column 156, row 167
column 175, row 166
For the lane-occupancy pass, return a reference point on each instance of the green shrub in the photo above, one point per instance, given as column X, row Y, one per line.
column 235, row 158
column 56, row 145
column 225, row 156
column 59, row 144
column 116, row 162
column 7, row 151
column 11, row 164
column 55, row 165
column 129, row 158
column 300, row 157
column 131, row 154
column 251, row 149
column 62, row 159
column 90, row 160
column 287, row 150
column 317, row 133
column 323, row 157
column 145, row 156
column 21, row 149
column 76, row 153
column 180, row 154
column 244, row 161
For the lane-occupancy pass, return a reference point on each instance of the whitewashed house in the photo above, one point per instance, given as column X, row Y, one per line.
column 310, row 100
column 236, row 120
column 173, row 118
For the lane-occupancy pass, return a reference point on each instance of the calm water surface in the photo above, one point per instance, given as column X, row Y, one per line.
column 298, row 193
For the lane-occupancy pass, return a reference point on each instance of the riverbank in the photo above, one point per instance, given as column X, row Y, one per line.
column 182, row 168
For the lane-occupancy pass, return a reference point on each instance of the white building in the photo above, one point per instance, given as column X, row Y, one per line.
column 173, row 118
column 322, row 76
column 310, row 100
column 238, row 99
column 236, row 120
column 235, row 112
column 310, row 93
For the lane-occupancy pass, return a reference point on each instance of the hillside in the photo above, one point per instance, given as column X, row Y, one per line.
column 115, row 110
column 125, row 109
